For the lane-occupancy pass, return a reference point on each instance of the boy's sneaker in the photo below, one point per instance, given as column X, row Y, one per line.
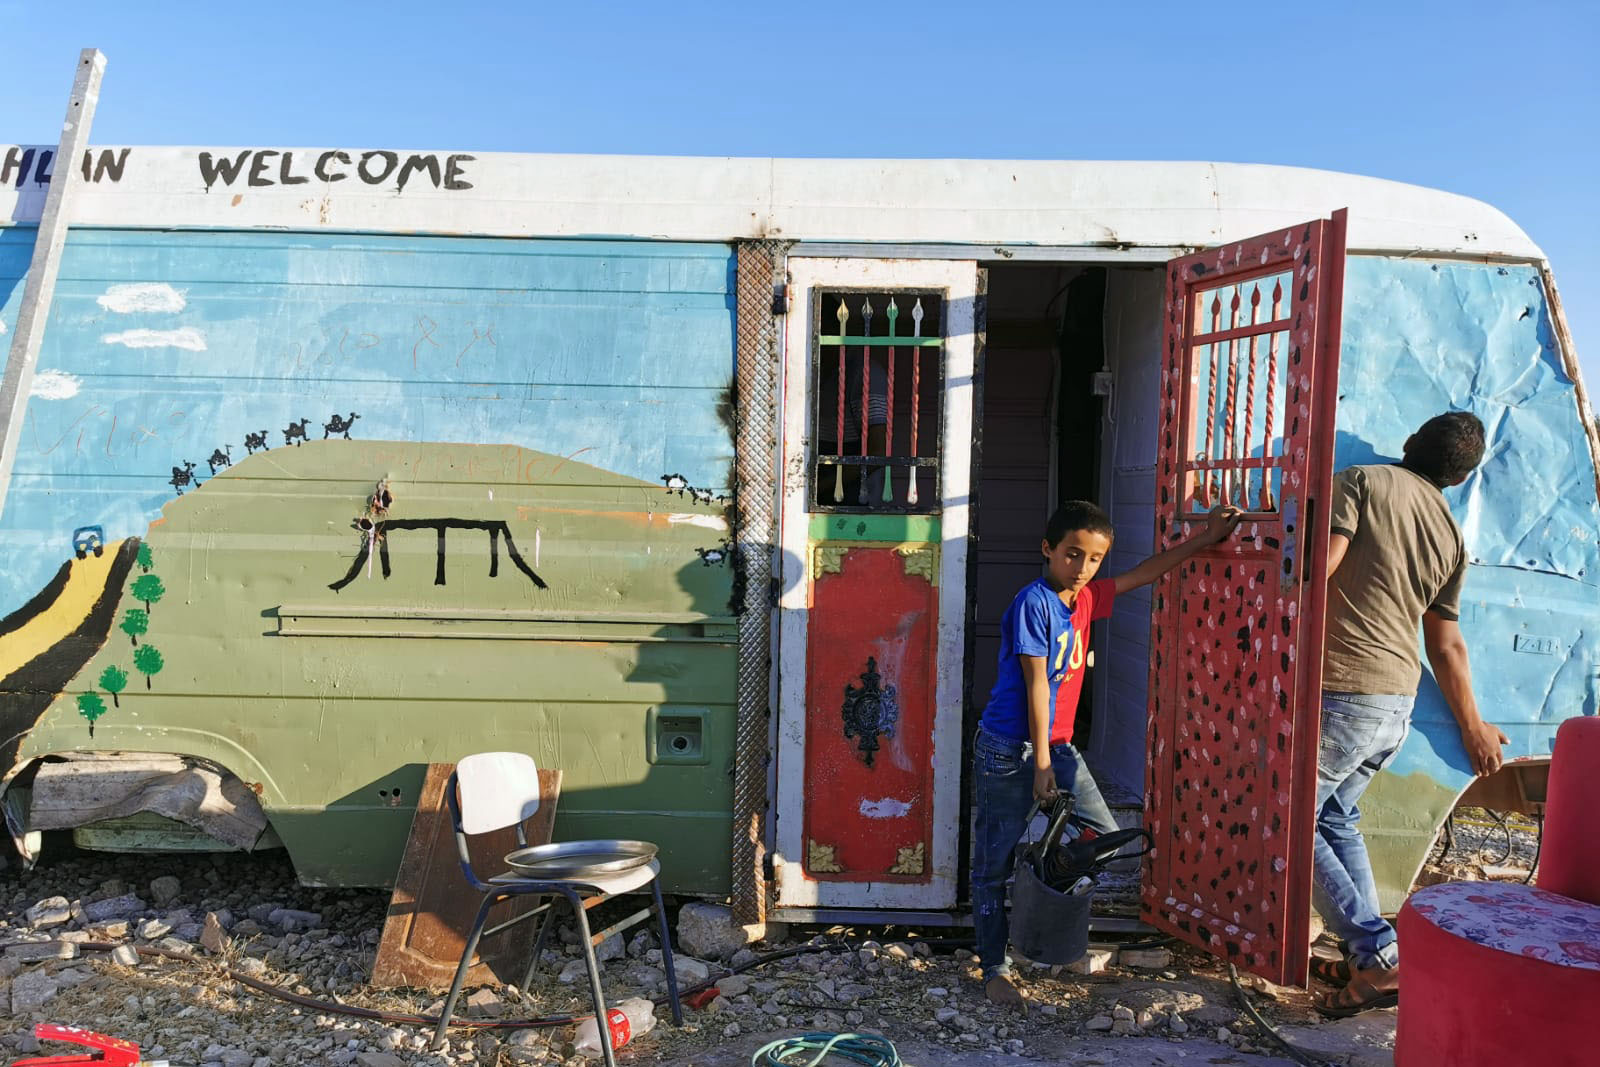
column 1002, row 991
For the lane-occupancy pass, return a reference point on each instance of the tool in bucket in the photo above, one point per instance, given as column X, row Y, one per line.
column 108, row 1051
column 1055, row 881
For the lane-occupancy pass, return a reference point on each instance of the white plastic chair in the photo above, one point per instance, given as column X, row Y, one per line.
column 492, row 790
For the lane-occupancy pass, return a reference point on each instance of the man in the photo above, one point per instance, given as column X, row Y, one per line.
column 1395, row 559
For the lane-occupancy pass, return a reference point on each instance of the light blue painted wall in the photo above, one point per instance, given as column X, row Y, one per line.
column 1421, row 338
column 619, row 352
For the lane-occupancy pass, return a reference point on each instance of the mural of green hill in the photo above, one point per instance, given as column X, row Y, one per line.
column 325, row 650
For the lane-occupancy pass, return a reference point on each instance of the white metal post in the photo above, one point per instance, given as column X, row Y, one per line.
column 46, row 262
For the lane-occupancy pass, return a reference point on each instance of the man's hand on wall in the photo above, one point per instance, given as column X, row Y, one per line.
column 1483, row 743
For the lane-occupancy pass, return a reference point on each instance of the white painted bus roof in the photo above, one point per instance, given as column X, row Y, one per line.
column 983, row 203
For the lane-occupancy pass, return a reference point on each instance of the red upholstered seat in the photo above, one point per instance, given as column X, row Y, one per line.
column 1494, row 974
column 1570, row 864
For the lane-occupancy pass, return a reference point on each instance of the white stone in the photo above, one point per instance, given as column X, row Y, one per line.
column 32, row 952
column 51, row 911
column 379, row 1059
column 1177, row 1025
column 485, row 1003
column 612, row 948
column 689, row 970
column 573, row 971
column 731, row 1030
column 1124, row 1026
column 945, row 1015
column 151, row 929
column 1146, row 1019
column 1122, row 1011
column 31, row 991
column 733, row 985
column 1152, row 958
column 1093, row 962
column 126, row 955
column 213, row 938
column 290, row 920
column 165, row 890
column 709, row 932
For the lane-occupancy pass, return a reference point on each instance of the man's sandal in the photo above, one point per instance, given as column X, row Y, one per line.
column 1003, row 992
column 1358, row 996
column 1331, row 972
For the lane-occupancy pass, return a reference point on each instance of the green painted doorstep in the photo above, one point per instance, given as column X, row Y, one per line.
column 920, row 528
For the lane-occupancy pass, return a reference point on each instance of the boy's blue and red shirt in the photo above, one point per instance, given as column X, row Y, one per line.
column 1038, row 624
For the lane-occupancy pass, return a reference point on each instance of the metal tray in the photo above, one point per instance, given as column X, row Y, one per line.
column 581, row 859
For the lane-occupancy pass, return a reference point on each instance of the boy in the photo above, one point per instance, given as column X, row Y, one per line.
column 1023, row 753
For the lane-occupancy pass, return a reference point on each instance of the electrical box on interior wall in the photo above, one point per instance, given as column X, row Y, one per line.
column 1100, row 384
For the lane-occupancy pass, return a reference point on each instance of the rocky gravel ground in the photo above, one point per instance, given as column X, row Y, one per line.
column 247, row 914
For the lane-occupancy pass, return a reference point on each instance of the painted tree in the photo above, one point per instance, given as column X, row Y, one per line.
column 114, row 680
column 91, row 707
column 148, row 661
column 148, row 588
column 144, row 557
column 135, row 621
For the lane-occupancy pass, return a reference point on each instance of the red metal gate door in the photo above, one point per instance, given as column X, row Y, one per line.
column 1248, row 389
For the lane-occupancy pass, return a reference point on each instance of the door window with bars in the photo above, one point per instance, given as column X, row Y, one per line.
column 1241, row 337
column 878, row 370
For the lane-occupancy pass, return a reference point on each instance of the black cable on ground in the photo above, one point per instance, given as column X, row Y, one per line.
column 1538, row 847
column 1505, row 824
column 1292, row 1051
column 333, row 1007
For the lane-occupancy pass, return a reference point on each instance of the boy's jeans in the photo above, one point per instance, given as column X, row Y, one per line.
column 1360, row 736
column 1003, row 773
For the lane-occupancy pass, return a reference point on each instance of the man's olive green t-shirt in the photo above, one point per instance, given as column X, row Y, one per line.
column 1405, row 558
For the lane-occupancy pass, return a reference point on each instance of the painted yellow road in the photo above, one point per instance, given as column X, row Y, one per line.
column 86, row 583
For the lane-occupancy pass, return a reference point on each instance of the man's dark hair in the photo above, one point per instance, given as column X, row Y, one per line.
column 1077, row 515
column 1446, row 448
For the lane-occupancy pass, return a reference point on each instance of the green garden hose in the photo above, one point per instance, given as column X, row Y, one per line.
column 866, row 1049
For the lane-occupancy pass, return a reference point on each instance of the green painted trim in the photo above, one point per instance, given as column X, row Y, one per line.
column 896, row 528
column 881, row 342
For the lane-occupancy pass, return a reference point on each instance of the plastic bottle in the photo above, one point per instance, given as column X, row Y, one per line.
column 629, row 1019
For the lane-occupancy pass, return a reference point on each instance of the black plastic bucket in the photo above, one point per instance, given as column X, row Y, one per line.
column 1047, row 925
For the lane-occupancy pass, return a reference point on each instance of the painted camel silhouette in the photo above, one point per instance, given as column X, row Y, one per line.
column 182, row 476
column 294, row 430
column 221, row 457
column 253, row 441
column 339, row 426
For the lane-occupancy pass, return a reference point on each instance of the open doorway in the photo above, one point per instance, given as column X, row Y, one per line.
column 1071, row 377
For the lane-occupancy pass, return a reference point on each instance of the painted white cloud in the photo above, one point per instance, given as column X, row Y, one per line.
column 55, row 385
column 142, row 296
column 2, row 325
column 887, row 808
column 185, row 337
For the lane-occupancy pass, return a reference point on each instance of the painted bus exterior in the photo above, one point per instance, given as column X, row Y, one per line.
column 395, row 457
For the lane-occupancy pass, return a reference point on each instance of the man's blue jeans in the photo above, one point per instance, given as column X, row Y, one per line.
column 1360, row 736
column 1003, row 776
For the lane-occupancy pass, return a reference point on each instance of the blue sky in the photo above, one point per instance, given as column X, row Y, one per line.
column 1496, row 101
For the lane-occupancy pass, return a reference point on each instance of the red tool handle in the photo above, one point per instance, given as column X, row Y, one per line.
column 110, row 1051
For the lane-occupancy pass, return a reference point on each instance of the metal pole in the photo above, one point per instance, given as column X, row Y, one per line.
column 46, row 263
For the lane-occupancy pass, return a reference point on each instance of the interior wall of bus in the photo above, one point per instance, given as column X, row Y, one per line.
column 1049, row 436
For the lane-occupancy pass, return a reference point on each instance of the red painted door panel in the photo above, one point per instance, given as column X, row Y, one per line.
column 869, row 713
column 1248, row 389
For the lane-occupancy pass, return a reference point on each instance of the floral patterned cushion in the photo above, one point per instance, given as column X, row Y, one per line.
column 1515, row 918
